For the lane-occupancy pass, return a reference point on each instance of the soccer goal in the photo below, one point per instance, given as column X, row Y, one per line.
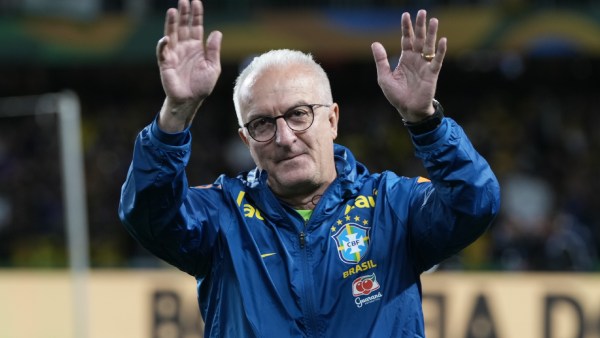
column 65, row 107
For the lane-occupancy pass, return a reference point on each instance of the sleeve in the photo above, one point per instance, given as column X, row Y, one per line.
column 458, row 204
column 174, row 222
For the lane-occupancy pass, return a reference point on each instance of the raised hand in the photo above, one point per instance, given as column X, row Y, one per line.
column 188, row 69
column 410, row 88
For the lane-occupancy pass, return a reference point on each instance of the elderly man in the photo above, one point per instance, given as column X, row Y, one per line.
column 309, row 243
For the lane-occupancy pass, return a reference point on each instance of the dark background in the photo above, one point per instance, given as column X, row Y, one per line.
column 533, row 115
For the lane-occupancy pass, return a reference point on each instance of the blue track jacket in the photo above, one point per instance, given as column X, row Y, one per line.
column 352, row 270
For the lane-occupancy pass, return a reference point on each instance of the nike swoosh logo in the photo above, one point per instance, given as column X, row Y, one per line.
column 267, row 254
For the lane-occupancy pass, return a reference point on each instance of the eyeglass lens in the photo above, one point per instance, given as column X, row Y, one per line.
column 264, row 128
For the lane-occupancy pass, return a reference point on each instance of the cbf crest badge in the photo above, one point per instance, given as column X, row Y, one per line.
column 352, row 241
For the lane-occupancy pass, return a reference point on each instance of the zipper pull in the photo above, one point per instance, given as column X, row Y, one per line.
column 302, row 240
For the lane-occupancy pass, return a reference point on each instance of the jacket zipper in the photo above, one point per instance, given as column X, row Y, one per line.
column 310, row 313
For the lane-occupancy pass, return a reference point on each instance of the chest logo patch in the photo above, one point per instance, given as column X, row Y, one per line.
column 363, row 289
column 352, row 242
column 363, row 286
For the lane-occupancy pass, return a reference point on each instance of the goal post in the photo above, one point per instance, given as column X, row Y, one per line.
column 67, row 107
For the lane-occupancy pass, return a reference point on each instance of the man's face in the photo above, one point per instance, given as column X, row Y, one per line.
column 297, row 162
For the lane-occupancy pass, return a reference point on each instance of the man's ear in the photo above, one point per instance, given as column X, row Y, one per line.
column 243, row 136
column 334, row 117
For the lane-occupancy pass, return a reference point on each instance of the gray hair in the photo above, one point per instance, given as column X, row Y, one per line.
column 278, row 57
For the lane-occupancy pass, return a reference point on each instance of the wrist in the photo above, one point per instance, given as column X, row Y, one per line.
column 429, row 123
column 177, row 116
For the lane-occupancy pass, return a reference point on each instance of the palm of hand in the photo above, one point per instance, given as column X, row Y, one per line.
column 411, row 85
column 186, row 74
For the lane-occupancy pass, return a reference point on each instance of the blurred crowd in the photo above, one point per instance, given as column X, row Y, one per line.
column 535, row 120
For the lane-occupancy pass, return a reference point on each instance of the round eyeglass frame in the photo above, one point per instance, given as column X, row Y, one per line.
column 284, row 116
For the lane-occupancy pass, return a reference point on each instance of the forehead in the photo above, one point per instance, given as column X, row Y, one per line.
column 279, row 88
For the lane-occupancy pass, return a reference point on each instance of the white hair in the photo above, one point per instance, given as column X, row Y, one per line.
column 278, row 57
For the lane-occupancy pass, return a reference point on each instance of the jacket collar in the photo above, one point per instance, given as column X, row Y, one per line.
column 349, row 171
column 350, row 174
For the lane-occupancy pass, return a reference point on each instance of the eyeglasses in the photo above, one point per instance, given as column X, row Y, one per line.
column 298, row 118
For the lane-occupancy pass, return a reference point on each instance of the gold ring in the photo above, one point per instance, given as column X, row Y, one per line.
column 427, row 57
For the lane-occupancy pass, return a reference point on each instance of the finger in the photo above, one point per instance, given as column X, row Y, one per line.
column 161, row 49
column 407, row 32
column 197, row 28
column 381, row 60
column 171, row 25
column 436, row 63
column 183, row 29
column 213, row 47
column 430, row 39
column 420, row 30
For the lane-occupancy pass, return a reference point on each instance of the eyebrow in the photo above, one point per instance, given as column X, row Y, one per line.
column 251, row 116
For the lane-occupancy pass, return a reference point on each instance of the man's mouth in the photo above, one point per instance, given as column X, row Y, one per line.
column 288, row 158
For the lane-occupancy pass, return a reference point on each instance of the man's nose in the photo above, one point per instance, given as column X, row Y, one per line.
column 284, row 133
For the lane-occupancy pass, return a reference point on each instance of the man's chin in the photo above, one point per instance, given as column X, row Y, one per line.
column 294, row 182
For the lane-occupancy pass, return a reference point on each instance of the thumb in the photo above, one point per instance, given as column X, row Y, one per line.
column 213, row 47
column 381, row 59
column 160, row 48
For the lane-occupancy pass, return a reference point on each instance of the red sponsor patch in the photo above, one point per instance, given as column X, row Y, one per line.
column 364, row 285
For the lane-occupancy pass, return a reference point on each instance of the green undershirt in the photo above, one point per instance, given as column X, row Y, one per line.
column 305, row 214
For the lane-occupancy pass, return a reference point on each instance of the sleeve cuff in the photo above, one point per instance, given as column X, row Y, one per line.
column 173, row 139
column 433, row 136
